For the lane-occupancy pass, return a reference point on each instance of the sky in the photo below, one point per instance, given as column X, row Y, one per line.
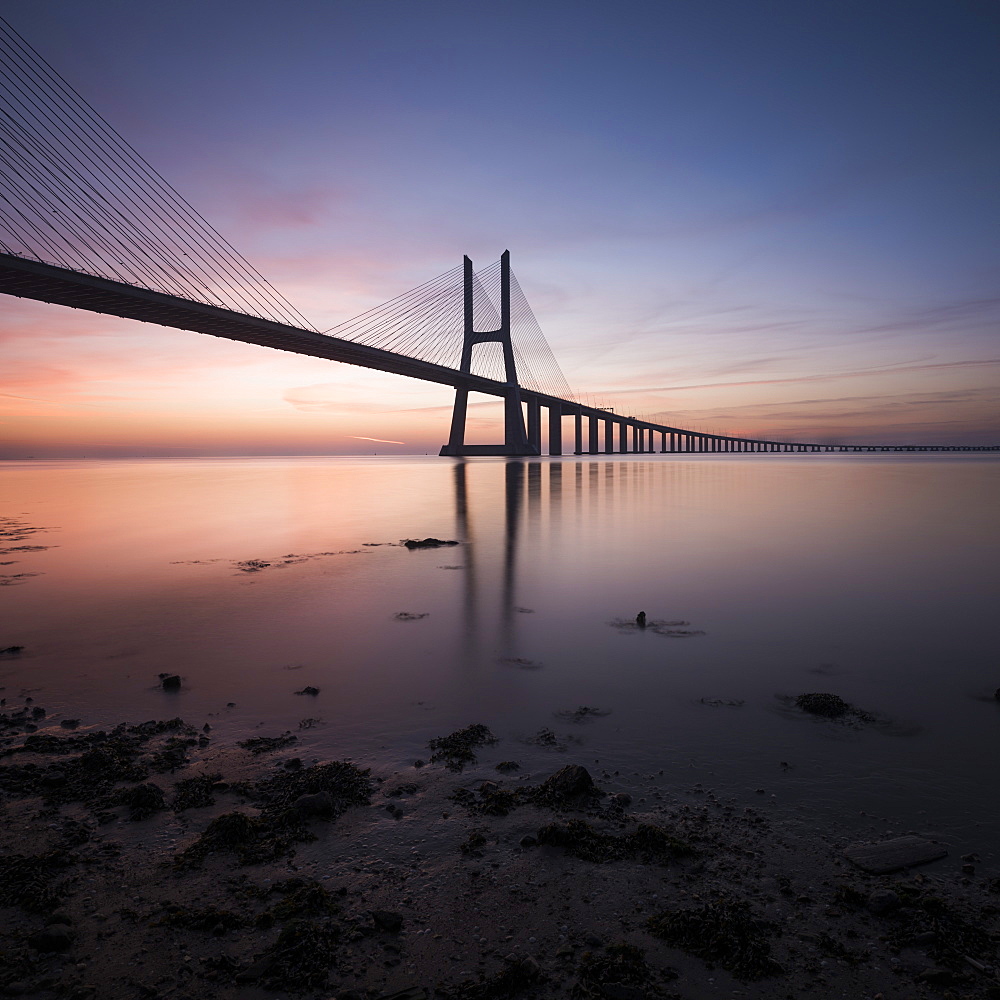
column 771, row 218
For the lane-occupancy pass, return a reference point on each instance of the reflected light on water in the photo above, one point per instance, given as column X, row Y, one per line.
column 871, row 577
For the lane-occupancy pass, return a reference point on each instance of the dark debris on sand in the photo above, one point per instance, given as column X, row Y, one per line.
column 581, row 839
column 90, row 765
column 265, row 744
column 619, row 970
column 724, row 932
column 830, row 706
column 456, row 749
column 288, row 803
column 427, row 543
column 193, row 793
column 571, row 787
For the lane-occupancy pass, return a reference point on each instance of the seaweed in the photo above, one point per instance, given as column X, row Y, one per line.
column 192, row 793
column 27, row 880
column 456, row 749
column 94, row 763
column 142, row 800
column 302, row 956
column 830, row 706
column 723, row 932
column 265, row 744
column 601, row 975
column 280, row 823
column 582, row 840
column 233, row 832
column 571, row 787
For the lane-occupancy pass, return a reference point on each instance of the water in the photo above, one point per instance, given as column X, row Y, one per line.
column 871, row 577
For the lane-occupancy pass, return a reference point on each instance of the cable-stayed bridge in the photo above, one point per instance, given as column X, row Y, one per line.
column 86, row 222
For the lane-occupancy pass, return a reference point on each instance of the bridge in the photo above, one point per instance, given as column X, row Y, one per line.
column 86, row 222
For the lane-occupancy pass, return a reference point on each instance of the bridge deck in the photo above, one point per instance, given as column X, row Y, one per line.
column 32, row 279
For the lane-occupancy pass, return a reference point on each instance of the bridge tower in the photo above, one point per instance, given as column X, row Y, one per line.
column 515, row 436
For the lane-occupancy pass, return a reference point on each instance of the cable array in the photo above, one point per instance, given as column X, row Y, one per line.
column 424, row 323
column 73, row 193
column 428, row 323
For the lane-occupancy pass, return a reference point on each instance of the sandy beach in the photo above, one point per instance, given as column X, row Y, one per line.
column 153, row 860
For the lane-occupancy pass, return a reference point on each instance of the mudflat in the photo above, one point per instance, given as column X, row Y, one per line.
column 158, row 860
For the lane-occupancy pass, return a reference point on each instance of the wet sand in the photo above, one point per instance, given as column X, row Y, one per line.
column 158, row 860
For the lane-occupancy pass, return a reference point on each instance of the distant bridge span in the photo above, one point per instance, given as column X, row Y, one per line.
column 32, row 279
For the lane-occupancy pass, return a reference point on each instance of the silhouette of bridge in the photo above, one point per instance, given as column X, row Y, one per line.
column 86, row 222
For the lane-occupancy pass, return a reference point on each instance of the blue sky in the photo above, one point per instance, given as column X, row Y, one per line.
column 776, row 218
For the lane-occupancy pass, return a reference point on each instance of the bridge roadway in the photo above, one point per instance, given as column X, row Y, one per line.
column 30, row 279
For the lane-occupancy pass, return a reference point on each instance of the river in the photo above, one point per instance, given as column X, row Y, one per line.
column 763, row 577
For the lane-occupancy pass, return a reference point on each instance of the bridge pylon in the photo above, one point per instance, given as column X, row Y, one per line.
column 516, row 440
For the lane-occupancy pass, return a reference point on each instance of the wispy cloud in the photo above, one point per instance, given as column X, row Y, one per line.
column 880, row 370
column 362, row 437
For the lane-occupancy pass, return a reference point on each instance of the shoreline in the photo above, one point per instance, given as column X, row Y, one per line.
column 124, row 874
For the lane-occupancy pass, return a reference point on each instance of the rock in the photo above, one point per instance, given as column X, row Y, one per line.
column 640, row 619
column 69, row 723
column 59, row 917
column 387, row 920
column 568, row 782
column 170, row 682
column 58, row 937
column 529, row 967
column 293, row 764
column 317, row 804
column 892, row 855
column 529, row 841
column 11, row 650
column 883, row 900
column 419, row 763
column 996, row 694
column 938, row 977
column 309, row 690
column 508, row 765
column 256, row 971
column 621, row 800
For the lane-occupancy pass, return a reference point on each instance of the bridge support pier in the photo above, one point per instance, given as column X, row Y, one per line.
column 555, row 430
column 517, row 440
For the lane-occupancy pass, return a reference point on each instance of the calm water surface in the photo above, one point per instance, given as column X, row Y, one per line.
column 871, row 577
